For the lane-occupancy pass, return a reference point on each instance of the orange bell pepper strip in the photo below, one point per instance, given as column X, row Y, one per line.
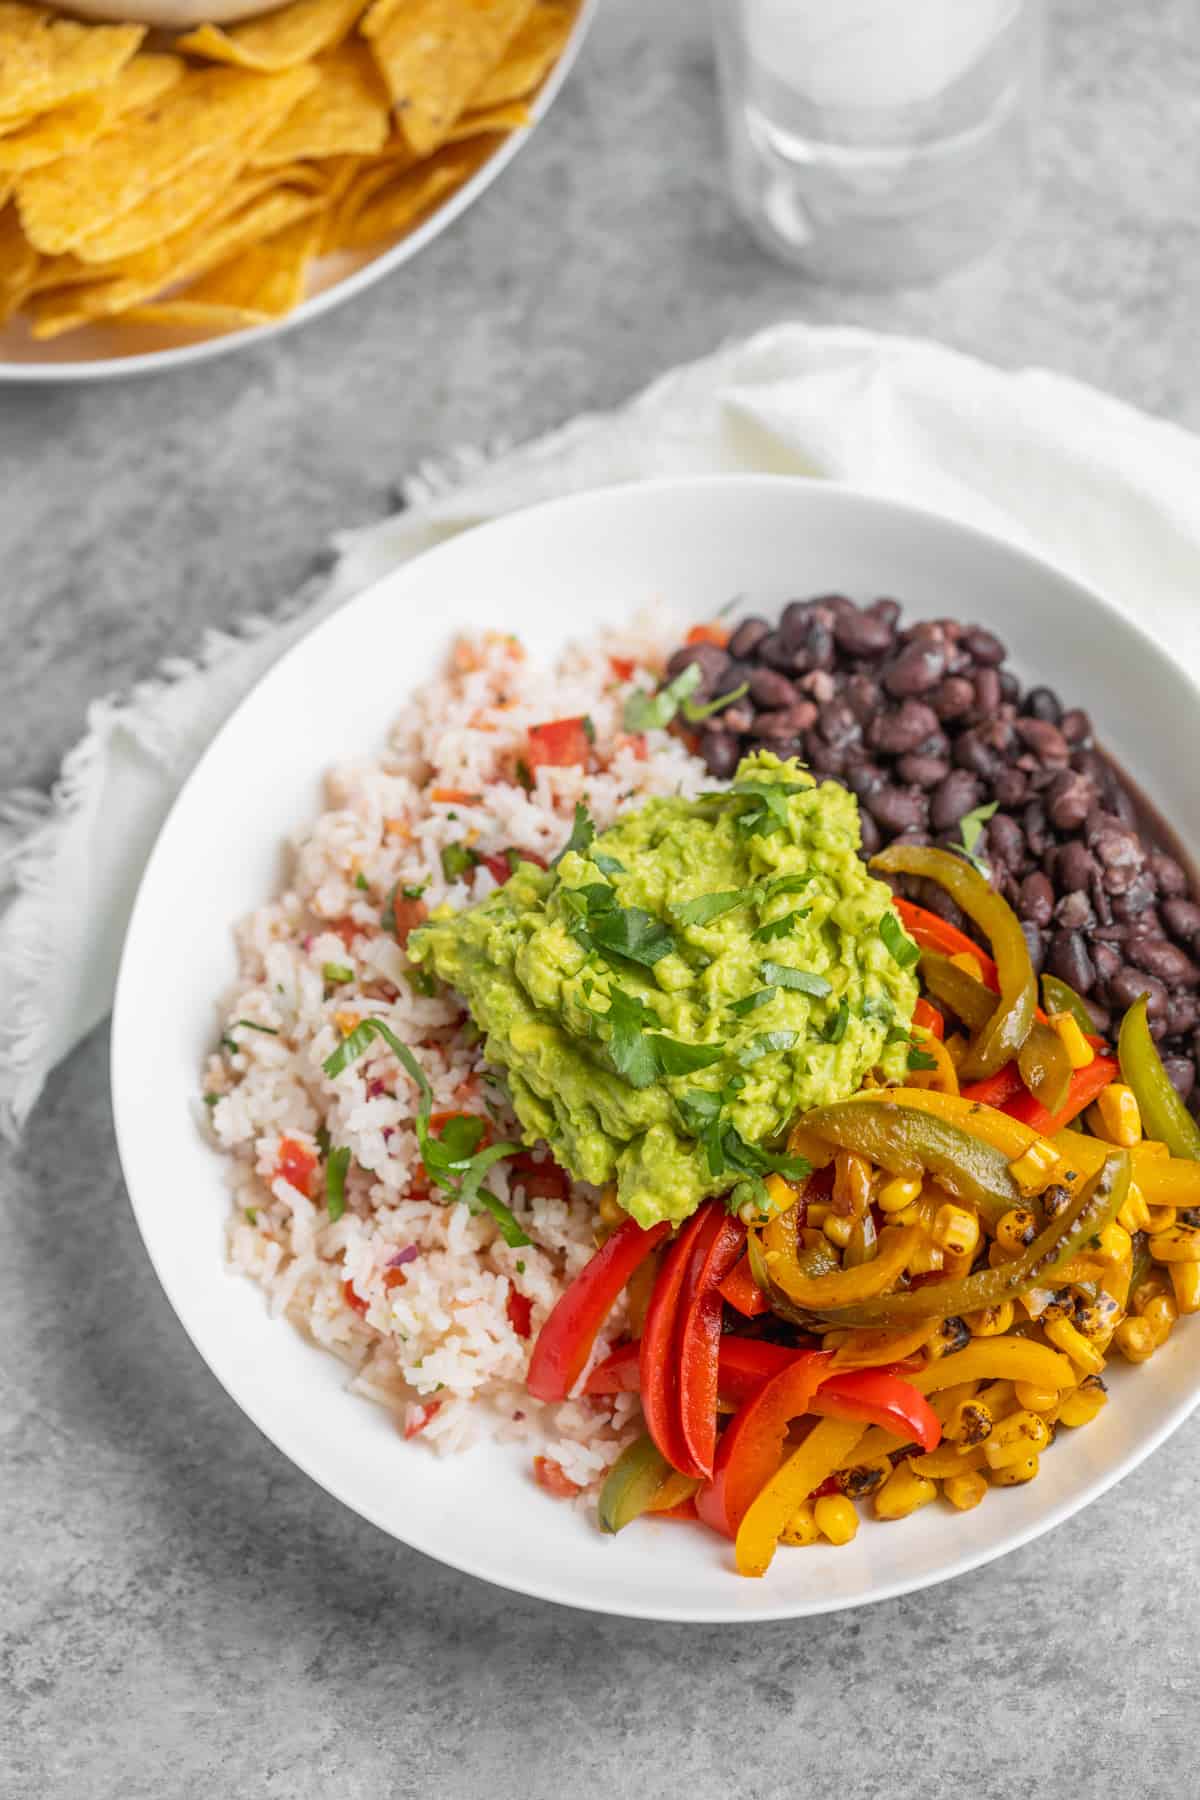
column 929, row 1018
column 1084, row 1086
column 565, row 1341
column 743, row 1293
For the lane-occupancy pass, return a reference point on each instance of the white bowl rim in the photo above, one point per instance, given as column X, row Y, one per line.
column 463, row 1560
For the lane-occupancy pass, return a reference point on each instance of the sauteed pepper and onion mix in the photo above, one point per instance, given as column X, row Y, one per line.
column 927, row 1286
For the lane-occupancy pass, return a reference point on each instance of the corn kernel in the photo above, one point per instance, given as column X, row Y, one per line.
column 1155, row 1283
column 955, row 1264
column 1021, row 1435
column 781, row 1193
column 1016, row 1474
column 610, row 1212
column 1185, row 1284
column 1160, row 1315
column 1134, row 1338
column 1115, row 1244
column 1072, row 1343
column 991, row 1321
column 903, row 1493
column 1158, row 1220
column 947, row 1459
column 346, row 1021
column 1179, row 1243
column 955, row 1229
column 926, row 1259
column 863, row 1479
column 969, row 964
column 837, row 1229
column 801, row 1528
column 1081, row 1405
column 1036, row 1399
column 898, row 1193
column 965, row 1491
column 969, row 1424
column 836, row 1518
column 1079, row 1051
column 817, row 1211
column 1119, row 1116
column 1034, row 1167
column 1016, row 1229
column 851, row 1184
column 1000, row 1398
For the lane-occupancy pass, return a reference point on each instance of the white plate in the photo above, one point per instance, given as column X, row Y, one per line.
column 101, row 351
column 560, row 570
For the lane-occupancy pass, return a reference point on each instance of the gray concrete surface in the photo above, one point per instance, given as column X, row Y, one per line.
column 182, row 1613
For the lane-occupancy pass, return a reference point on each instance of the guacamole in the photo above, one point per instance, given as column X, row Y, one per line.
column 666, row 998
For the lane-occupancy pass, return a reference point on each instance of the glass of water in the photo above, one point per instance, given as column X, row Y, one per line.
column 879, row 142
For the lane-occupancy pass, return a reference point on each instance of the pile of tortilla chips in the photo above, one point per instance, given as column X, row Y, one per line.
column 190, row 186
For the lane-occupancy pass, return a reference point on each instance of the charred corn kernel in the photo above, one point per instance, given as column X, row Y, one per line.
column 1155, row 1283
column 970, row 964
column 780, row 1193
column 1079, row 1051
column 836, row 1518
column 1134, row 1338
column 610, row 1212
column 955, row 1229
column 956, row 1263
column 863, row 1479
column 1115, row 1244
column 837, row 1229
column 991, row 1321
column 926, row 1259
column 1000, row 1398
column 1072, row 1343
column 1081, row 1405
column 1185, row 1284
column 1021, row 1435
column 851, row 1184
column 898, row 1193
column 969, row 1424
column 1036, row 1399
column 1016, row 1474
column 947, row 1459
column 1016, row 1229
column 903, row 1493
column 1158, row 1220
column 1033, row 1169
column 966, row 1490
column 1118, row 1115
column 1160, row 1315
column 946, row 1400
column 1135, row 1214
column 1180, row 1243
column 801, row 1528
column 817, row 1211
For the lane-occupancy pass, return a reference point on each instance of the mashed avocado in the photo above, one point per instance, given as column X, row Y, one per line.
column 664, row 1000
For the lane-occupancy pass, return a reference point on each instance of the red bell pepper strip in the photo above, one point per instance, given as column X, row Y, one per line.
column 932, row 933
column 659, row 1358
column 929, row 1018
column 558, row 744
column 997, row 1089
column 749, row 1451
column 712, row 633
column 565, row 1340
column 618, row 1373
column 717, row 1248
column 742, row 1292
column 882, row 1399
column 1085, row 1085
column 742, row 1366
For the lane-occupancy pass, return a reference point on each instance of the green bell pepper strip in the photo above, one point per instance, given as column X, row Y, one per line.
column 1164, row 1116
column 1059, row 997
column 1045, row 1067
column 632, row 1484
column 970, row 999
column 1095, row 1207
column 1008, row 1027
column 910, row 1143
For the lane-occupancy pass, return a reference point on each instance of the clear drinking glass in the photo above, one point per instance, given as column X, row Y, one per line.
column 879, row 142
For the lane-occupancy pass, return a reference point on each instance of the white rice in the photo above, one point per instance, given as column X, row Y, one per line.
column 434, row 1345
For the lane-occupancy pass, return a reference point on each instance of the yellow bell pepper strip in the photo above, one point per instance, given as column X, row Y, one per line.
column 638, row 1475
column 1045, row 1067
column 998, row 1359
column 1059, row 997
column 1163, row 1113
column 982, row 1121
column 870, row 1349
column 844, row 1287
column 828, row 1445
column 1096, row 1205
column 1008, row 1026
column 943, row 1076
column 910, row 1143
column 748, row 1453
column 970, row 999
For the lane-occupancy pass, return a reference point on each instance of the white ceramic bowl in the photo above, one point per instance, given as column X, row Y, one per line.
column 684, row 548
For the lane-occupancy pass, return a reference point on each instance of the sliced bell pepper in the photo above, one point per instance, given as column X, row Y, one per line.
column 717, row 1249
column 742, row 1367
column 870, row 1349
column 929, row 1018
column 828, row 1445
column 1084, row 1085
column 879, row 1398
column 659, row 1359
column 565, row 1341
column 740, row 1290
column 1045, row 1067
column 844, row 1287
column 1008, row 1027
column 1164, row 1115
column 998, row 1089
column 748, row 1453
column 911, row 1143
column 618, row 1373
column 973, row 1001
column 943, row 1076
column 933, row 933
column 1059, row 997
column 998, row 1359
column 559, row 744
column 639, row 1473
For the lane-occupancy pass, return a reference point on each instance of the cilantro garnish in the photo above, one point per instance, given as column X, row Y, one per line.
column 211, row 1099
column 337, row 1164
column 252, row 1215
column 642, row 1055
column 778, row 928
column 765, row 1044
column 583, row 833
column 695, row 714
column 414, row 890
column 970, row 828
column 921, row 1059
column 229, row 1042
column 711, row 906
column 647, row 712
column 336, row 974
column 897, row 941
column 751, row 1002
column 524, row 778
column 599, row 924
column 677, row 1058
column 835, row 1028
column 801, row 981
column 457, row 860
column 360, row 881
column 703, row 1115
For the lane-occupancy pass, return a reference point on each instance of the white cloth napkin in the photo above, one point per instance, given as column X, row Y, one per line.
column 1102, row 490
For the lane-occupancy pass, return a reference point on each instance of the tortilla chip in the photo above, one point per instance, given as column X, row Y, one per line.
column 529, row 57
column 76, row 204
column 434, row 54
column 71, row 128
column 388, row 200
column 510, row 117
column 293, row 35
column 187, row 315
column 45, row 61
column 347, row 112
column 264, row 282
column 18, row 263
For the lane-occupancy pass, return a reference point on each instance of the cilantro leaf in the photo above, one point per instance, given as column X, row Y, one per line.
column 710, row 906
column 801, row 981
column 897, row 941
column 751, row 1002
column 778, row 928
column 970, row 828
column 695, row 714
column 835, row 1027
column 631, row 1052
column 267, row 1030
column 457, row 860
column 765, row 1044
column 360, row 881
column 582, row 835
column 337, row 1164
column 633, row 933
column 676, row 1058
column 647, row 712
column 921, row 1059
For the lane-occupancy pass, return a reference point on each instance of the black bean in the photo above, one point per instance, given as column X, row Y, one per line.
column 872, row 839
column 863, row 634
column 1070, row 797
column 1182, row 919
column 796, row 618
column 1036, row 944
column 885, row 609
column 903, row 729
column 1045, row 740
column 1120, row 855
column 819, row 685
column 861, row 694
column 984, row 646
column 788, row 722
column 1101, row 1017
column 1165, row 960
column 970, row 752
column 956, row 796
column 1010, row 787
column 1033, row 818
column 1068, row 959
column 919, row 667
column 1128, row 985
column 987, row 694
column 935, row 899
column 1106, row 960
column 747, row 636
column 710, row 659
column 1092, row 764
column 738, row 717
column 771, row 690
column 898, row 809
column 1074, row 912
column 1137, row 902
column 1075, row 866
column 823, row 758
column 922, row 771
column 1183, row 1013
column 1005, row 841
column 774, row 652
column 953, row 697
column 863, row 777
column 839, row 725
column 1035, row 901
column 720, row 750
column 1169, row 877
column 1181, row 1073
column 1041, row 703
column 1076, row 727
column 1123, row 806
column 1010, row 687
column 815, row 650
